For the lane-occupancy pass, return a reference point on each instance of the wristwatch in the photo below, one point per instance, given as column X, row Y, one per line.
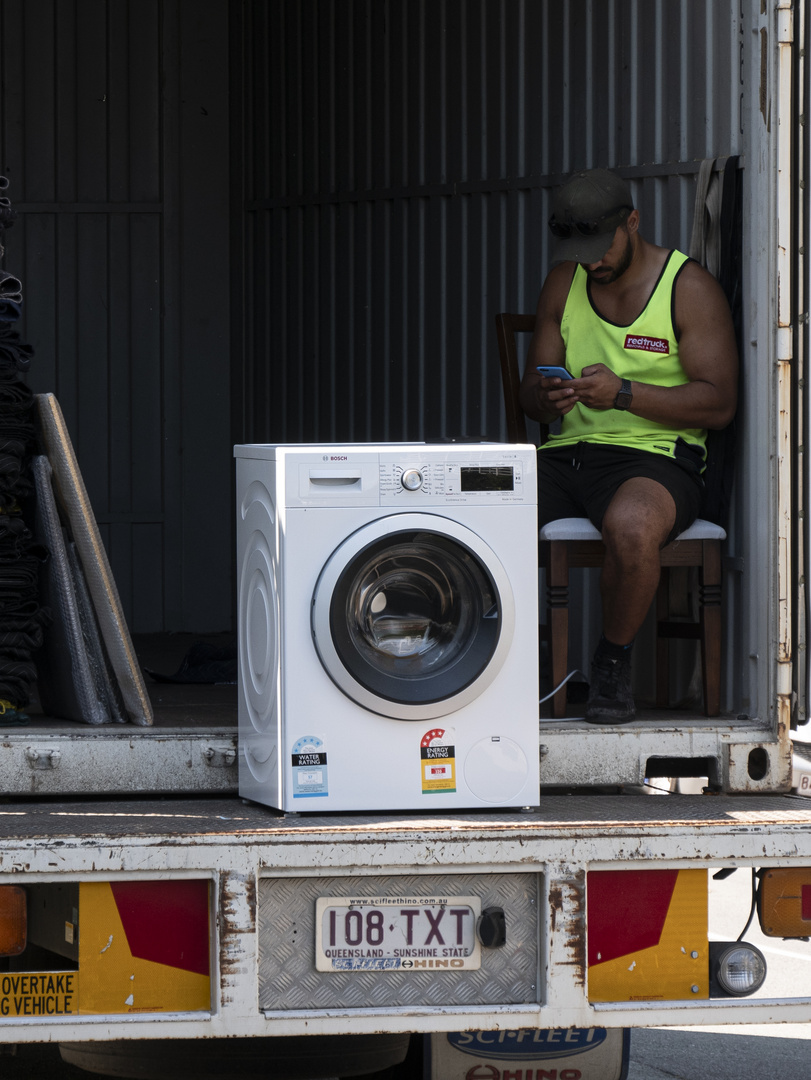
column 624, row 397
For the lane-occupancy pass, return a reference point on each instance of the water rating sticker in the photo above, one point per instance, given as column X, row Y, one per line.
column 438, row 761
column 309, row 761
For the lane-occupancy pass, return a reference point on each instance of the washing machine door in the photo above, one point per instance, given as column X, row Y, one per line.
column 413, row 616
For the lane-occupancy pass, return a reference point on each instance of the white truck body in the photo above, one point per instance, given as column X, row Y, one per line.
column 80, row 806
column 263, row 977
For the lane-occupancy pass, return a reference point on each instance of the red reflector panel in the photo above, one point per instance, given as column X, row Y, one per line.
column 647, row 935
column 806, row 902
column 144, row 946
column 626, row 910
column 13, row 921
column 166, row 922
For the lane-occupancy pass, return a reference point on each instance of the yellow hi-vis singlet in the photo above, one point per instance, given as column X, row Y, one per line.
column 645, row 351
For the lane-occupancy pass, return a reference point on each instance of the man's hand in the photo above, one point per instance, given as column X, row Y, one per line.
column 555, row 397
column 597, row 387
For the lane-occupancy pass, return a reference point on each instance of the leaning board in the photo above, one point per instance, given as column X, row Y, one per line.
column 75, row 504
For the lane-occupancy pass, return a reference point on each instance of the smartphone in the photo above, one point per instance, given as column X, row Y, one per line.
column 553, row 372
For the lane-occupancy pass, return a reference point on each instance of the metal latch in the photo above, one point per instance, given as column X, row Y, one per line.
column 220, row 757
column 40, row 758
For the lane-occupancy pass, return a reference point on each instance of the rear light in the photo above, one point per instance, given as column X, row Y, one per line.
column 13, row 920
column 737, row 969
column 784, row 903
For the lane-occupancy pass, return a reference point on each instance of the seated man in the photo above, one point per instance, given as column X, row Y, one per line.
column 647, row 335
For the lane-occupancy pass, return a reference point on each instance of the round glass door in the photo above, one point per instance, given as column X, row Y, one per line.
column 412, row 621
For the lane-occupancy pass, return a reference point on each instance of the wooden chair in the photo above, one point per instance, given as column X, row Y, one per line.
column 570, row 543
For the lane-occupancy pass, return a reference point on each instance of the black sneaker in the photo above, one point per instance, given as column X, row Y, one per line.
column 610, row 697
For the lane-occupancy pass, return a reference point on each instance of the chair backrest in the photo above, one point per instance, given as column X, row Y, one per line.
column 507, row 326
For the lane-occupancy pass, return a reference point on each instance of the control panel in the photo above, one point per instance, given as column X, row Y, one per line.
column 452, row 481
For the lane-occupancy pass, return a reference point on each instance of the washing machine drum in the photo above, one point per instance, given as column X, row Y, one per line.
column 413, row 616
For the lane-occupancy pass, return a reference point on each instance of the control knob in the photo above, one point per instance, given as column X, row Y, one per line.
column 411, row 479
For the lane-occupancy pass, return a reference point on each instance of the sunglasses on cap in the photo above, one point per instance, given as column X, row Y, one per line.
column 606, row 223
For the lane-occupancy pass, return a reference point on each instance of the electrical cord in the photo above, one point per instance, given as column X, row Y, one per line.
column 552, row 719
column 575, row 671
column 753, row 908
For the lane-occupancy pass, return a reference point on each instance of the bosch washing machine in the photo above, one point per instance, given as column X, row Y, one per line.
column 388, row 626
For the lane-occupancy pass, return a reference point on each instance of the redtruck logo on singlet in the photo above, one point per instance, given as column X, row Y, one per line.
column 647, row 344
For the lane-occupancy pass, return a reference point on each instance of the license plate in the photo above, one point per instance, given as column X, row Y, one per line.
column 396, row 933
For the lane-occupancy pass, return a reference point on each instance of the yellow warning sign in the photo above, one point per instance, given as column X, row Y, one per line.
column 39, row 993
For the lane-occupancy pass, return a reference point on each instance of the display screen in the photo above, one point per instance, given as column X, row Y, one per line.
column 487, row 478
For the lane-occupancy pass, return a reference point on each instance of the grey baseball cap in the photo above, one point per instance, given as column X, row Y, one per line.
column 586, row 211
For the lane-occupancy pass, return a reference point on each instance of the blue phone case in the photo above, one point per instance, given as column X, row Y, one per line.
column 553, row 372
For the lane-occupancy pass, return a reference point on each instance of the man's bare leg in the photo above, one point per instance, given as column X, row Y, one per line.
column 635, row 527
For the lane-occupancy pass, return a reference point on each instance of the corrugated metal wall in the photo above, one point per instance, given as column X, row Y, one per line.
column 114, row 134
column 399, row 160
column 399, row 156
column 385, row 166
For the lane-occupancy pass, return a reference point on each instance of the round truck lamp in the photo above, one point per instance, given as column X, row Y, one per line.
column 737, row 969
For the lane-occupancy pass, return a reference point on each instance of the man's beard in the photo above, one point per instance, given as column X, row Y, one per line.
column 610, row 274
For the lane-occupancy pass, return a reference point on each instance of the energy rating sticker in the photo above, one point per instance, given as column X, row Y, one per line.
column 40, row 993
column 438, row 761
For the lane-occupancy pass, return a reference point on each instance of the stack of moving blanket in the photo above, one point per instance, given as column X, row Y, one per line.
column 21, row 617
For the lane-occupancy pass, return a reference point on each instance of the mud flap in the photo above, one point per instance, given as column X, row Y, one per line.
column 531, row 1054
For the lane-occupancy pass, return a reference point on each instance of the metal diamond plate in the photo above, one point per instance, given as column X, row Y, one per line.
column 287, row 975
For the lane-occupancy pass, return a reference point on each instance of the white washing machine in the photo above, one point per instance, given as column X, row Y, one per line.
column 388, row 626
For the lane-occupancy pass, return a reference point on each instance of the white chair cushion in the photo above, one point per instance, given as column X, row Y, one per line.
column 570, row 529
column 702, row 530
column 582, row 529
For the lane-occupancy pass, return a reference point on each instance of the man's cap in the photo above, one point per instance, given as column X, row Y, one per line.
column 595, row 196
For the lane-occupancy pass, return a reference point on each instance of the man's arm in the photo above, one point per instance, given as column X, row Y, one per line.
column 707, row 352
column 546, row 399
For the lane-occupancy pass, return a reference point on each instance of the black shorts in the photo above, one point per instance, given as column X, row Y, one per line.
column 581, row 480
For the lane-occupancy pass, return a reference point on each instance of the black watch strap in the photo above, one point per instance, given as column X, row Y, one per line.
column 624, row 396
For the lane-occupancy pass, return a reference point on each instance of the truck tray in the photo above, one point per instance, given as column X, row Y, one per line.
column 736, row 754
column 191, row 747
